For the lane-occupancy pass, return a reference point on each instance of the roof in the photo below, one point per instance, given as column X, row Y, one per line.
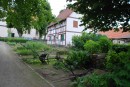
column 116, row 35
column 63, row 15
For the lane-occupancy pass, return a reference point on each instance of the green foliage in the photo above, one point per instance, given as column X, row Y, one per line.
column 120, row 47
column 105, row 44
column 24, row 52
column 92, row 80
column 116, row 72
column 37, row 15
column 119, row 65
column 103, row 15
column 59, row 65
column 117, row 75
column 92, row 47
column 11, row 43
column 40, row 46
column 35, row 47
column 79, row 41
column 117, row 61
column 78, row 59
column 31, row 61
column 16, row 40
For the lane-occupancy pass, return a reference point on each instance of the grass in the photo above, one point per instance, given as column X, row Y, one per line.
column 31, row 61
column 24, row 52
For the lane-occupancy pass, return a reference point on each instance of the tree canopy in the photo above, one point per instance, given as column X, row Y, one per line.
column 26, row 14
column 104, row 15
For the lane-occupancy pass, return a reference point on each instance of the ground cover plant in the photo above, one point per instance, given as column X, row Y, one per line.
column 13, row 39
column 116, row 64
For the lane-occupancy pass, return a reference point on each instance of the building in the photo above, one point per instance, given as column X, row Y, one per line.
column 11, row 32
column 62, row 31
column 117, row 37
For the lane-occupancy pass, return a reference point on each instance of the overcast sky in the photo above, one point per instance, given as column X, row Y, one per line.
column 57, row 6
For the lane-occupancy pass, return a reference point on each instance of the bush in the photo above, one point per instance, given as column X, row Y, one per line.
column 36, row 47
column 78, row 59
column 119, row 66
column 79, row 41
column 120, row 47
column 105, row 44
column 16, row 40
column 40, row 46
column 59, row 65
column 92, row 47
column 92, row 80
column 116, row 74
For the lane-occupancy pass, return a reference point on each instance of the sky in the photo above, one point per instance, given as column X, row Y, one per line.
column 57, row 6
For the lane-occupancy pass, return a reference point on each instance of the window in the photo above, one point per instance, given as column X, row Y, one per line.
column 62, row 37
column 75, row 24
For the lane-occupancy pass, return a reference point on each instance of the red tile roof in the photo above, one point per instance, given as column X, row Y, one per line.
column 63, row 15
column 116, row 35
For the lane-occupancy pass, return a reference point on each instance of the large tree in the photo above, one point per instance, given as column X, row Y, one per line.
column 104, row 15
column 26, row 14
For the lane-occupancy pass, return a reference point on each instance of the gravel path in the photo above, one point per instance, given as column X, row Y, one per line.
column 14, row 73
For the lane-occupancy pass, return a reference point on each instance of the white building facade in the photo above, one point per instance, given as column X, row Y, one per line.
column 68, row 25
column 12, row 32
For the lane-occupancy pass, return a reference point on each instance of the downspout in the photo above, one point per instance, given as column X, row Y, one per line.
column 65, row 31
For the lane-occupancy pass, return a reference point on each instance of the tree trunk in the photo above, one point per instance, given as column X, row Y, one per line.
column 20, row 32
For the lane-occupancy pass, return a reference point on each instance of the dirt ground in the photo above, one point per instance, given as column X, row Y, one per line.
column 59, row 78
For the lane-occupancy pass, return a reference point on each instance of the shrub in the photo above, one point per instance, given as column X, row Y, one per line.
column 119, row 66
column 120, row 47
column 59, row 65
column 78, row 59
column 117, row 75
column 36, row 47
column 16, row 40
column 92, row 46
column 105, row 44
column 79, row 41
column 92, row 80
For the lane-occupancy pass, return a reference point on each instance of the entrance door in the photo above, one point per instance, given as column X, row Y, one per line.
column 12, row 34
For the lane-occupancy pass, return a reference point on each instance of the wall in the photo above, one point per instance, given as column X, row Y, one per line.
column 118, row 41
column 70, row 19
column 69, row 36
column 4, row 32
column 70, row 30
column 32, row 35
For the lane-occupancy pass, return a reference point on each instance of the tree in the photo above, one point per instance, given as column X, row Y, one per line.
column 26, row 14
column 104, row 15
column 45, row 17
